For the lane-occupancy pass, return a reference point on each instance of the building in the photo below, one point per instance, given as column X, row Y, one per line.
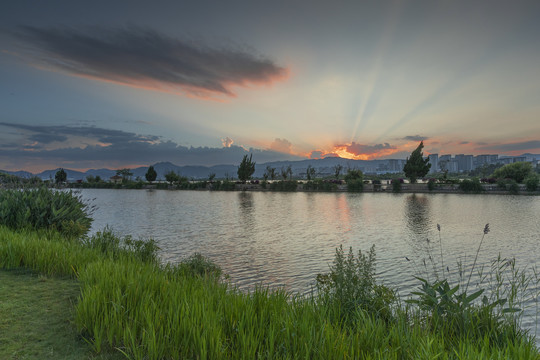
column 464, row 162
column 434, row 161
column 480, row 160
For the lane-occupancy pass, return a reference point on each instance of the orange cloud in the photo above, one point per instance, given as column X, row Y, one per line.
column 357, row 151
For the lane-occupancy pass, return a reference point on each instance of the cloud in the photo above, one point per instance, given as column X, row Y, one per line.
column 530, row 145
column 316, row 154
column 98, row 147
column 414, row 138
column 227, row 142
column 147, row 59
column 281, row 145
column 360, row 149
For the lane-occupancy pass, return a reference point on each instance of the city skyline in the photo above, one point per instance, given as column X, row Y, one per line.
column 127, row 84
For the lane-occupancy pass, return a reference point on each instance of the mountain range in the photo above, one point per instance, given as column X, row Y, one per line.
column 322, row 166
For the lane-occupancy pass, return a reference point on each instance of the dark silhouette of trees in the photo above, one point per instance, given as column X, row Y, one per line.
column 246, row 168
column 416, row 166
column 124, row 173
column 151, row 174
column 60, row 176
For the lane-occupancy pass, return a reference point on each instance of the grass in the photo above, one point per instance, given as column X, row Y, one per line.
column 150, row 311
column 37, row 318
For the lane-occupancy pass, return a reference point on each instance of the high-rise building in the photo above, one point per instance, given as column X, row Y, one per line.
column 465, row 162
column 434, row 161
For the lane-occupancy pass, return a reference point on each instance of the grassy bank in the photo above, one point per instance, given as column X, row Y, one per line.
column 132, row 304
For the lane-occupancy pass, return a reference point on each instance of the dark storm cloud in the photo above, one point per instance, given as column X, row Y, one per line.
column 119, row 147
column 414, row 138
column 532, row 145
column 146, row 58
column 49, row 134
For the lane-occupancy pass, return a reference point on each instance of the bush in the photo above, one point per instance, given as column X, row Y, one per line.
column 285, row 185
column 351, row 286
column 44, row 208
column 431, row 184
column 471, row 186
column 517, row 171
column 320, row 185
column 396, row 185
column 512, row 187
column 355, row 185
column 198, row 265
column 531, row 182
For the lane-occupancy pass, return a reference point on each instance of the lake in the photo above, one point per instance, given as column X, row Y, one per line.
column 285, row 239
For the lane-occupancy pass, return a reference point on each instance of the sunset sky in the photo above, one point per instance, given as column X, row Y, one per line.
column 126, row 83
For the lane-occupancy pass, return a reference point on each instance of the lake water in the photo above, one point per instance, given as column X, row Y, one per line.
column 285, row 239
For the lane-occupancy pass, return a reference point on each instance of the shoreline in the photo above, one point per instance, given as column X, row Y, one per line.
column 406, row 188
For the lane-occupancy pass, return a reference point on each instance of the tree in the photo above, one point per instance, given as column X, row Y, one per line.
column 246, row 168
column 286, row 172
column 337, row 170
column 416, row 166
column 172, row 177
column 211, row 177
column 151, row 174
column 60, row 176
column 124, row 173
column 516, row 171
column 270, row 172
column 310, row 172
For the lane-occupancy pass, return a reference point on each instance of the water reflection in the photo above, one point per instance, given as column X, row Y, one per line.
column 417, row 214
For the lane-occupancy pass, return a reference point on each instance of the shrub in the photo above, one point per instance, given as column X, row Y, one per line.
column 512, row 187
column 285, row 185
column 471, row 185
column 531, row 182
column 355, row 185
column 431, row 184
column 396, row 185
column 198, row 265
column 351, row 286
column 320, row 185
column 516, row 171
column 44, row 208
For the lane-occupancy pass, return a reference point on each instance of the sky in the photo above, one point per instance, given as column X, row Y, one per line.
column 116, row 84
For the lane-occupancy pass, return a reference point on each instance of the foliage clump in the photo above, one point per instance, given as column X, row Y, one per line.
column 531, row 182
column 354, row 180
column 517, row 171
column 471, row 185
column 351, row 286
column 44, row 208
column 416, row 166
